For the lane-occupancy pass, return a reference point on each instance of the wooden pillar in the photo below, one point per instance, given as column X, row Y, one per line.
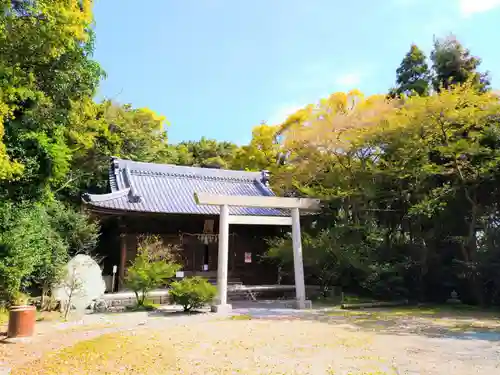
column 123, row 257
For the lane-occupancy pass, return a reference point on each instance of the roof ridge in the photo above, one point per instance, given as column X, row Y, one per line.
column 141, row 165
column 193, row 175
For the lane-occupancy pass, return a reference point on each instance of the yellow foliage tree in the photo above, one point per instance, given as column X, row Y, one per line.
column 330, row 134
column 261, row 153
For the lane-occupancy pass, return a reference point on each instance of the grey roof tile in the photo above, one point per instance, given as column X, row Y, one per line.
column 163, row 188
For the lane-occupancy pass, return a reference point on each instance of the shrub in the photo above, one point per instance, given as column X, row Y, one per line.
column 20, row 299
column 27, row 241
column 192, row 292
column 34, row 244
column 153, row 267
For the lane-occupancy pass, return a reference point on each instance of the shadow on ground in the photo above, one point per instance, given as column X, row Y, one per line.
column 429, row 322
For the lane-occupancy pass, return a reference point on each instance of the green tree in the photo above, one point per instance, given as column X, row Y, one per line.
column 79, row 232
column 153, row 267
column 329, row 253
column 460, row 128
column 47, row 77
column 121, row 131
column 416, row 181
column 178, row 155
column 210, row 153
column 453, row 64
column 28, row 247
column 413, row 76
column 36, row 241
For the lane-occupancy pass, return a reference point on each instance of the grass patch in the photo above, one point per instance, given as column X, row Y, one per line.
column 351, row 298
column 444, row 311
column 241, row 317
column 415, row 311
column 477, row 327
column 326, row 301
column 333, row 301
column 461, row 311
column 147, row 306
column 423, row 319
column 107, row 354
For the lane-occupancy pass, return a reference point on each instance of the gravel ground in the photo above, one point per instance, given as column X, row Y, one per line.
column 262, row 341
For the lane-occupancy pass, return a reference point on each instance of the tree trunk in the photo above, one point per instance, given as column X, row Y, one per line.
column 470, row 251
column 423, row 270
column 68, row 304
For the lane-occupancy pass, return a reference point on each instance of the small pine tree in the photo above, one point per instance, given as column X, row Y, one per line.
column 413, row 75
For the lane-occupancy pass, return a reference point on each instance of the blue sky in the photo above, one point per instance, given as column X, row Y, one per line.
column 216, row 68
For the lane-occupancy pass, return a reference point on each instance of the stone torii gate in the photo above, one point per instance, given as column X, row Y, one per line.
column 292, row 204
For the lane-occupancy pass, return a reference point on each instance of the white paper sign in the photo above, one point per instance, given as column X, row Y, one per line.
column 179, row 274
column 205, row 267
column 248, row 257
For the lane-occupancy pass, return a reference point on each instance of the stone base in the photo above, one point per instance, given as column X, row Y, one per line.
column 221, row 309
column 301, row 305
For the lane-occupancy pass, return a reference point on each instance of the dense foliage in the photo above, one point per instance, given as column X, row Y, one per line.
column 35, row 243
column 48, row 80
column 411, row 192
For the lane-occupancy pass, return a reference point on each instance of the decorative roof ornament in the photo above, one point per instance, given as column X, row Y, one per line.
column 132, row 196
column 264, row 177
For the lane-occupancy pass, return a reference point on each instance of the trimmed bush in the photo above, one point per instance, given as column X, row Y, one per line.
column 192, row 293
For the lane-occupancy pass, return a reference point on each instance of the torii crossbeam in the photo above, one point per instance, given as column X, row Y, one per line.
column 293, row 204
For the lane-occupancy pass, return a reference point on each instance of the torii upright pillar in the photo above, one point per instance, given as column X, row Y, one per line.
column 293, row 204
column 223, row 259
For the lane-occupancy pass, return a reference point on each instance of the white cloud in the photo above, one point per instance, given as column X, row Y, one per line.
column 349, row 80
column 470, row 7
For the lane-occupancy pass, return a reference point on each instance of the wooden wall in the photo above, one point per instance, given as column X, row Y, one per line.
column 243, row 239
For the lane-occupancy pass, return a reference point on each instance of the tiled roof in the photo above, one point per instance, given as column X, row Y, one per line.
column 163, row 188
